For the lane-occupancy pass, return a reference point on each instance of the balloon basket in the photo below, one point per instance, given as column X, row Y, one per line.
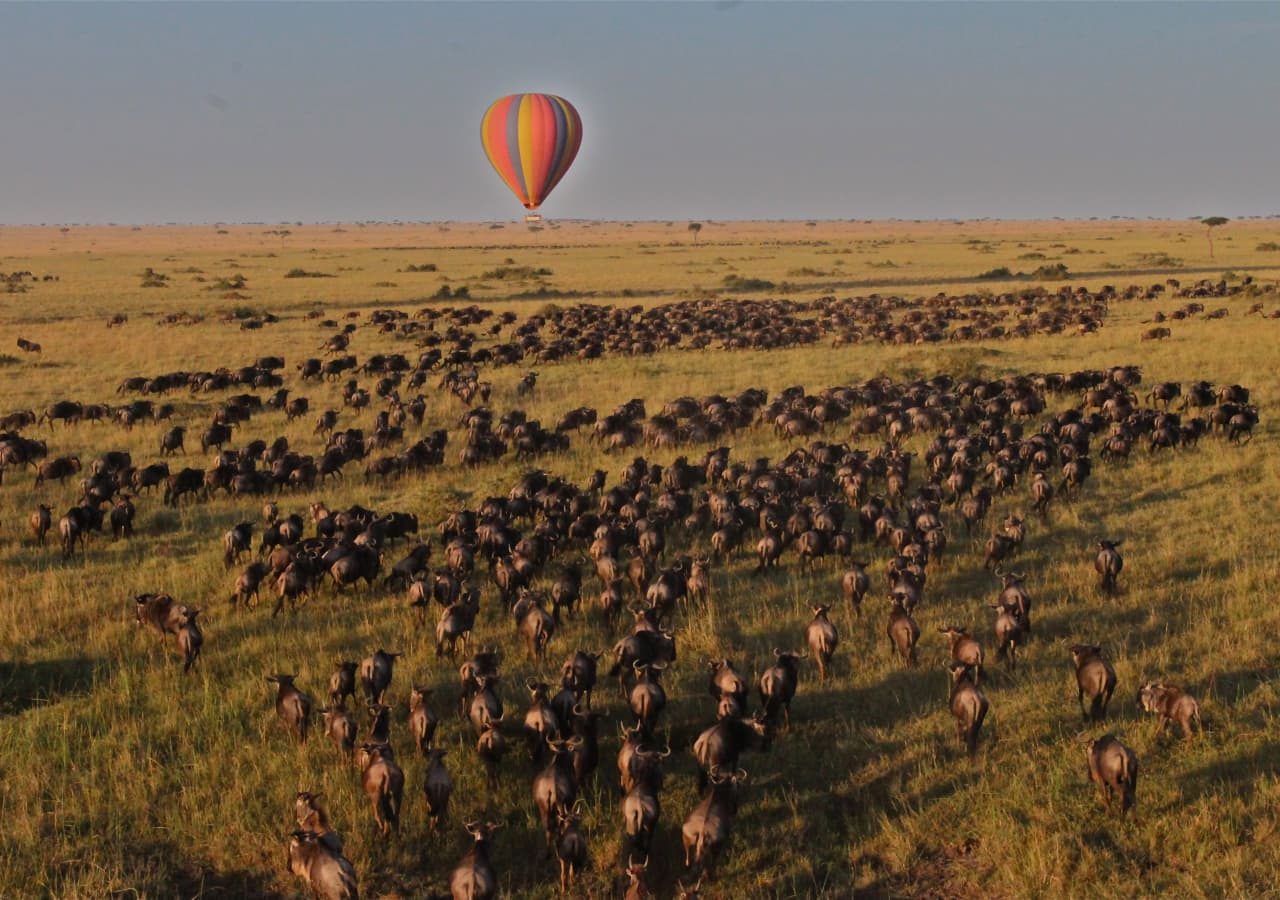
column 533, row 218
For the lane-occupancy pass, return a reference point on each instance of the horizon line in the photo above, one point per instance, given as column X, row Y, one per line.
column 516, row 219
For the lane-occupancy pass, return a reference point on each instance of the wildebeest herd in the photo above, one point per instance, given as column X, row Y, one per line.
column 633, row 546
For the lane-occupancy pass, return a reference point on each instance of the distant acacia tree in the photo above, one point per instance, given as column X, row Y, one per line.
column 694, row 228
column 1211, row 223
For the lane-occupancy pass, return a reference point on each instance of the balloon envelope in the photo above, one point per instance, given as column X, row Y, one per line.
column 531, row 140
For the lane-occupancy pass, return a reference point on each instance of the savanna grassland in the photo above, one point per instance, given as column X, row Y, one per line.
column 120, row 775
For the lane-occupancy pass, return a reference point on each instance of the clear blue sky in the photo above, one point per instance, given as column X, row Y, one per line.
column 269, row 112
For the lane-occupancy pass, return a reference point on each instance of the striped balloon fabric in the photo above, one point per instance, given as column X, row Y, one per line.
column 531, row 140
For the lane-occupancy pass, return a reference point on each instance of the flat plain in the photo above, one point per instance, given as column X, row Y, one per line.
column 122, row 776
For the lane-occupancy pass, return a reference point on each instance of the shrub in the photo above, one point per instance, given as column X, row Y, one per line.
column 1268, row 247
column 1002, row 272
column 515, row 273
column 236, row 282
column 424, row 267
column 151, row 278
column 1158, row 260
column 1055, row 272
column 303, row 273
column 739, row 283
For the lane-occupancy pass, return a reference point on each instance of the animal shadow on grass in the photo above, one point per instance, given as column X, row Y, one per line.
column 1236, row 686
column 193, row 878
column 1239, row 773
column 901, row 695
column 24, row 685
column 928, row 876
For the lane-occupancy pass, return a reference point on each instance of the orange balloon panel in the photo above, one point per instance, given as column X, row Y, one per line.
column 531, row 140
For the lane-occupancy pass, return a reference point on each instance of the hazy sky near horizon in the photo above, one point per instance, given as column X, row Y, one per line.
column 271, row 112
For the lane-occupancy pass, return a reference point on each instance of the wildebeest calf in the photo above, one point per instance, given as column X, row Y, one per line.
column 1170, row 704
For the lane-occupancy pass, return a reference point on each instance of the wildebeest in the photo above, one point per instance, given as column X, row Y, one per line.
column 342, row 683
column 437, row 786
column 968, row 704
column 73, row 529
column 382, row 780
column 778, row 686
column 179, row 484
column 571, row 846
column 719, row 746
column 215, row 436
column 293, row 706
column 533, row 623
column 65, row 411
column 902, row 630
column 1010, row 632
column 159, row 612
column 706, row 830
column 375, row 674
column 965, row 649
column 1108, row 565
column 173, row 440
column 647, row 698
column 312, row 816
column 1095, row 678
column 1113, row 767
column 555, row 788
column 326, row 871
column 190, row 639
column 422, row 721
column 474, row 878
column 41, row 521
column 59, row 469
column 340, row 726
column 248, row 582
column 1171, row 704
column 822, row 638
column 237, row 541
column 854, row 585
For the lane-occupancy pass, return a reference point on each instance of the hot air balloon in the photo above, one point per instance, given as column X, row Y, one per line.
column 531, row 140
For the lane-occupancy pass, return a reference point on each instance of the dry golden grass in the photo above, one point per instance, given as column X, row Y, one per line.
column 122, row 775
